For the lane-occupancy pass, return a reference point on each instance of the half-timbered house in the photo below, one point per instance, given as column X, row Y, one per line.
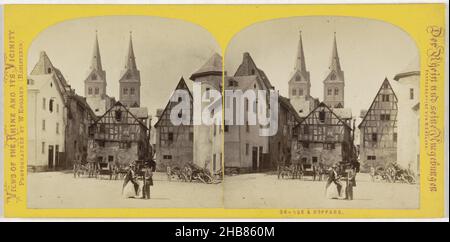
column 323, row 138
column 119, row 137
column 174, row 143
column 378, row 129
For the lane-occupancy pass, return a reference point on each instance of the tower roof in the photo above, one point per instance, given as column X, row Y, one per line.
column 300, row 64
column 335, row 63
column 212, row 67
column 130, row 62
column 43, row 65
column 96, row 63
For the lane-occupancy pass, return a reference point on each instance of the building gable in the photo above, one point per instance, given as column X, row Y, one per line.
column 164, row 117
column 381, row 102
column 322, row 125
column 118, row 113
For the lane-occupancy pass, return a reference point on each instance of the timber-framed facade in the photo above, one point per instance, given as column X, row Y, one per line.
column 323, row 138
column 174, row 143
column 118, row 137
column 378, row 129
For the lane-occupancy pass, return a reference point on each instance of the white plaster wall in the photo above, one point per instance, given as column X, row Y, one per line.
column 408, row 122
column 36, row 114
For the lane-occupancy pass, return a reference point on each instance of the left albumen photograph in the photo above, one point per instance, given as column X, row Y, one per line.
column 111, row 115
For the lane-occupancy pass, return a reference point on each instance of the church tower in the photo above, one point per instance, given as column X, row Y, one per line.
column 130, row 80
column 334, row 83
column 95, row 82
column 300, row 84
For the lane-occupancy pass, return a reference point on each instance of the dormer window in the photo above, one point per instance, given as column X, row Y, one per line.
column 298, row 78
column 94, row 77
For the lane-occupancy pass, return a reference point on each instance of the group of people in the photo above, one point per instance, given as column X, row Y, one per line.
column 339, row 173
column 131, row 186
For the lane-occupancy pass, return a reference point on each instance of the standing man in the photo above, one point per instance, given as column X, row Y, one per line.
column 148, row 181
column 351, row 173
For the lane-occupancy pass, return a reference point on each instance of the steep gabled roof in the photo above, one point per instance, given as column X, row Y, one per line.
column 386, row 81
column 329, row 109
column 249, row 68
column 118, row 103
column 43, row 65
column 180, row 86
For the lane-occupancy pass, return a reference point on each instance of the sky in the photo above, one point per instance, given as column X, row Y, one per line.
column 369, row 51
column 165, row 50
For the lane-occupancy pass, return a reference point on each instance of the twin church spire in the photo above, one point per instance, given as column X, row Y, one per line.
column 95, row 84
column 300, row 63
column 300, row 85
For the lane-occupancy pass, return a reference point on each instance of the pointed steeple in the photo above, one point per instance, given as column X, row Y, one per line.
column 96, row 63
column 300, row 64
column 130, row 62
column 335, row 64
